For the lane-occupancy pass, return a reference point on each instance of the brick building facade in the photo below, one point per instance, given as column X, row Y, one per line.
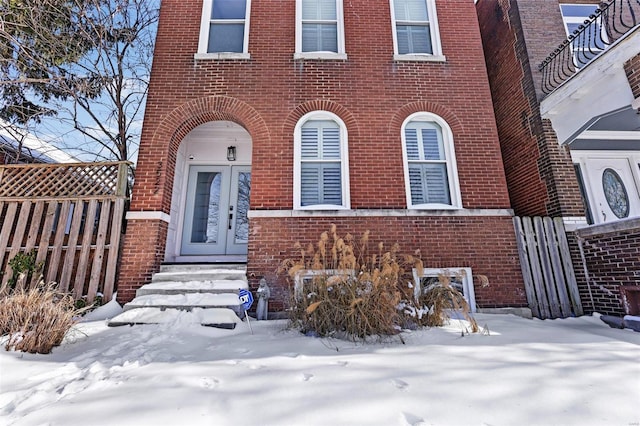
column 370, row 114
column 564, row 133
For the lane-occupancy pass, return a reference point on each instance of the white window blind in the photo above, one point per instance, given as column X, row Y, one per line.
column 413, row 32
column 321, row 168
column 427, row 164
column 319, row 26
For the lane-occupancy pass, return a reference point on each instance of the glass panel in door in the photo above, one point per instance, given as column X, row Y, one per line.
column 238, row 209
column 207, row 203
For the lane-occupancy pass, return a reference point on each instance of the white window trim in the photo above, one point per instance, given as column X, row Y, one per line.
column 580, row 21
column 576, row 19
column 466, row 277
column 339, row 56
column 344, row 162
column 452, row 168
column 305, row 274
column 436, row 44
column 203, row 42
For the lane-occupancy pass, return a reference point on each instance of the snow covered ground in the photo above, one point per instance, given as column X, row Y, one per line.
column 525, row 372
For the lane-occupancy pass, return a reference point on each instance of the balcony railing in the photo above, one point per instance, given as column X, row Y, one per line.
column 607, row 24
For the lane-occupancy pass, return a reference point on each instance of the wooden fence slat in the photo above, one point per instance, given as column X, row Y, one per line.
column 114, row 249
column 6, row 229
column 56, row 252
column 16, row 242
column 572, row 284
column 36, row 218
column 43, row 245
column 556, row 264
column 538, row 280
column 547, row 267
column 98, row 253
column 85, row 249
column 526, row 269
column 547, row 273
column 70, row 255
column 63, row 191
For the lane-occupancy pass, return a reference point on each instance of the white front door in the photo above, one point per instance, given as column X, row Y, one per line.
column 215, row 220
column 614, row 191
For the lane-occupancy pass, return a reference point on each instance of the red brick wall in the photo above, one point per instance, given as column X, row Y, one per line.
column 142, row 253
column 517, row 36
column 370, row 92
column 486, row 244
column 613, row 260
column 369, row 88
column 632, row 69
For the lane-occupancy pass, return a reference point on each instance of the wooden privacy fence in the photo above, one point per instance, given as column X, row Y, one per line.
column 70, row 216
column 547, row 268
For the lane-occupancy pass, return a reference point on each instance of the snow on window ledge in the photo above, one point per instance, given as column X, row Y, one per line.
column 325, row 56
column 222, row 56
column 419, row 58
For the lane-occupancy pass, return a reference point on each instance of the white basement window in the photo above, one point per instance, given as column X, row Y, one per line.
column 461, row 280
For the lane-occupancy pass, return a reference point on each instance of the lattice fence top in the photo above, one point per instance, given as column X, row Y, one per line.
column 68, row 180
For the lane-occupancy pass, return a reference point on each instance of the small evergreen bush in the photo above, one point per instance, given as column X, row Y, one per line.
column 24, row 266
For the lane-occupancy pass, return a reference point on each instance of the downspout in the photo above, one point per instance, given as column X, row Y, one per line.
column 586, row 271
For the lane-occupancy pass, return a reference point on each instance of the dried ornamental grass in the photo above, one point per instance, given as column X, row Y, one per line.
column 36, row 320
column 440, row 299
column 348, row 292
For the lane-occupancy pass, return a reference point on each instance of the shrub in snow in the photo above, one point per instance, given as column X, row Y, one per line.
column 23, row 267
column 343, row 289
column 35, row 320
column 437, row 301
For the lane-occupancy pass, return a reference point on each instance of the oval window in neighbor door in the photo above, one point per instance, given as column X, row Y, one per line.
column 615, row 193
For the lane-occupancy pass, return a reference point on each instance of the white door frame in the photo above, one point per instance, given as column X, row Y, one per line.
column 592, row 165
column 226, row 242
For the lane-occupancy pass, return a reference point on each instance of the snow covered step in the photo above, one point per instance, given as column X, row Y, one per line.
column 176, row 287
column 186, row 301
column 214, row 274
column 213, row 317
column 189, row 267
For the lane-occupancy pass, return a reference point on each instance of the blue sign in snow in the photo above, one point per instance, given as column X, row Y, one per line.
column 246, row 298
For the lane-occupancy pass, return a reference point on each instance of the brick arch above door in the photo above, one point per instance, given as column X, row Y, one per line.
column 157, row 161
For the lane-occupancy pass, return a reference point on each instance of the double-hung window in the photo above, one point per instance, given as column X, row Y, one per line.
column 224, row 31
column 415, row 30
column 430, row 168
column 591, row 41
column 321, row 173
column 319, row 29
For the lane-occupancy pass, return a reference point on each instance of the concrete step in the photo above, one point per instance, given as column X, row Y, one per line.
column 188, row 267
column 213, row 317
column 186, row 301
column 177, row 287
column 203, row 293
column 211, row 274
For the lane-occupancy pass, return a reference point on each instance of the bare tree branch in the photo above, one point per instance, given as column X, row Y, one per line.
column 83, row 64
